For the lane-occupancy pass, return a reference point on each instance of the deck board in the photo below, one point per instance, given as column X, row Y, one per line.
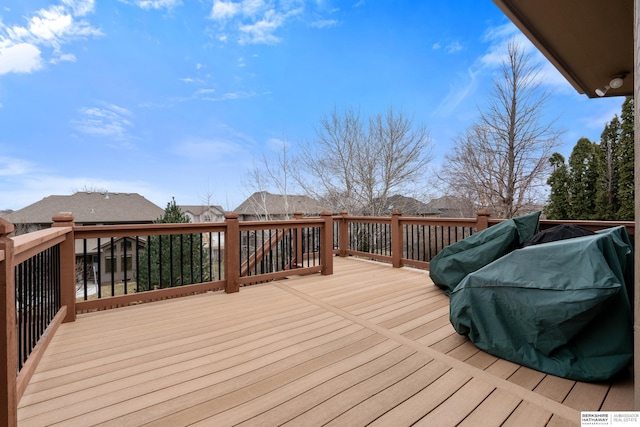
column 369, row 344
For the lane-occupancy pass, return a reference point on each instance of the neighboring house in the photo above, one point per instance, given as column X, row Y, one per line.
column 264, row 206
column 409, row 207
column 454, row 207
column 93, row 208
column 87, row 208
column 118, row 258
column 203, row 213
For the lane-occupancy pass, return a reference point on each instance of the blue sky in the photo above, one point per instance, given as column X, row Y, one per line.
column 171, row 98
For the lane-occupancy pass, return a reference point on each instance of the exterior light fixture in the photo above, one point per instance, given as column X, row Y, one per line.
column 615, row 82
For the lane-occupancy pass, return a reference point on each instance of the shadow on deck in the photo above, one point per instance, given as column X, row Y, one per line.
column 367, row 345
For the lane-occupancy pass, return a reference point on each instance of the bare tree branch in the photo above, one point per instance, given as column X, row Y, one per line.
column 356, row 165
column 502, row 159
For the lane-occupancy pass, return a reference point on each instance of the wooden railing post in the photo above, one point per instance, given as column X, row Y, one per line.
column 67, row 266
column 397, row 239
column 232, row 253
column 297, row 215
column 326, row 244
column 8, row 338
column 343, row 234
column 482, row 219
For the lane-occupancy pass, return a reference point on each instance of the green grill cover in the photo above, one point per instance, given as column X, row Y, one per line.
column 455, row 261
column 561, row 307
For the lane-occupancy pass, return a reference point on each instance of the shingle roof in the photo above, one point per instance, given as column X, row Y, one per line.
column 409, row 206
column 200, row 209
column 275, row 204
column 454, row 207
column 90, row 208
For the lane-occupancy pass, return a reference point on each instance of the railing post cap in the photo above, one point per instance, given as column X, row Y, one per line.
column 63, row 217
column 231, row 215
column 5, row 227
column 298, row 214
column 326, row 213
column 483, row 212
column 344, row 212
column 396, row 213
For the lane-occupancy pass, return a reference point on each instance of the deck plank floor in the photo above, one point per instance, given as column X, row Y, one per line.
column 367, row 345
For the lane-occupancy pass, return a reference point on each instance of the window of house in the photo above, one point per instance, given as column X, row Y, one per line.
column 110, row 265
column 127, row 264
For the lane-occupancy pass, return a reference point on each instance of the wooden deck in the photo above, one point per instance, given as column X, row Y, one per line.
column 367, row 345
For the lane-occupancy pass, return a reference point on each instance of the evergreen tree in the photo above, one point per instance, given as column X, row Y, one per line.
column 607, row 203
column 172, row 260
column 559, row 204
column 625, row 158
column 598, row 182
column 583, row 178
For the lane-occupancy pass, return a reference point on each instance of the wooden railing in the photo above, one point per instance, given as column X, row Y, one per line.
column 300, row 246
column 30, row 314
column 410, row 241
column 413, row 241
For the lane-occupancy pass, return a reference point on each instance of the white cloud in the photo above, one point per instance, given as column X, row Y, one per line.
column 262, row 31
column 608, row 108
column 191, row 80
column 158, row 4
column 80, row 7
column 20, row 58
column 204, row 91
column 225, row 9
column 458, row 92
column 21, row 47
column 485, row 65
column 454, row 47
column 110, row 120
column 228, row 96
column 257, row 21
column 324, row 23
column 450, row 47
column 499, row 37
column 64, row 57
column 11, row 166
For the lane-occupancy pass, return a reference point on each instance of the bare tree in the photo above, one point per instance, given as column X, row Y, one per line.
column 272, row 173
column 356, row 165
column 502, row 160
column 206, row 198
column 89, row 188
column 258, row 185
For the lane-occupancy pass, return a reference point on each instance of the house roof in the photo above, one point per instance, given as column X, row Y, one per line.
column 409, row 206
column 90, row 207
column 261, row 201
column 588, row 41
column 453, row 207
column 200, row 209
